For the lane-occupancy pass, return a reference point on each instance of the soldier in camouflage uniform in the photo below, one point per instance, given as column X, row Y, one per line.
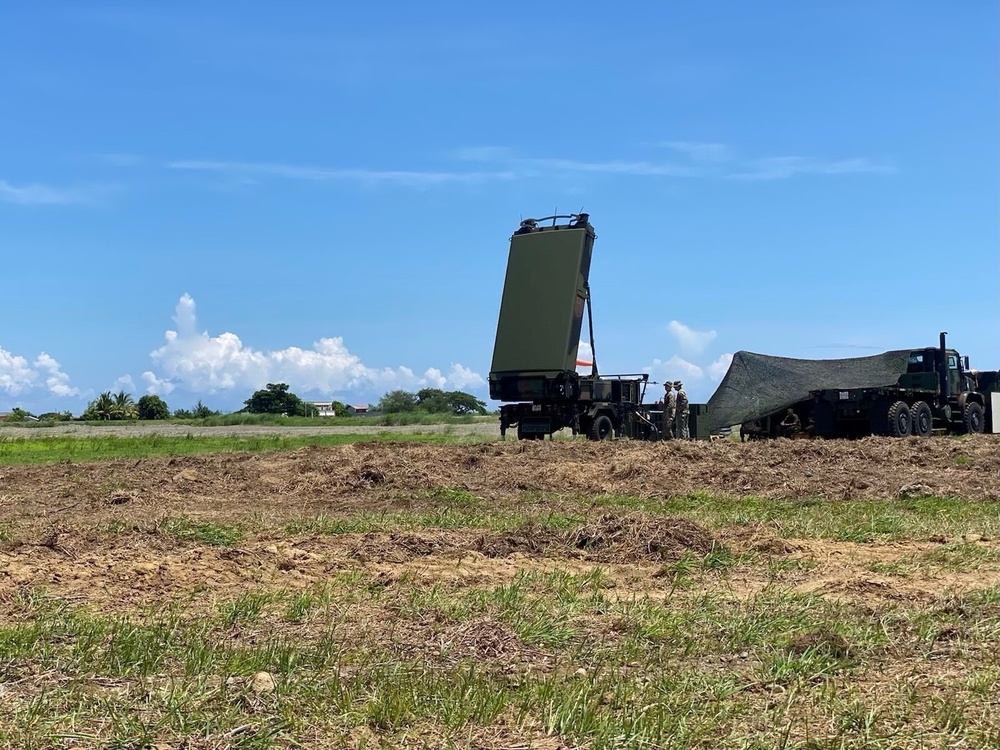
column 681, row 417
column 669, row 410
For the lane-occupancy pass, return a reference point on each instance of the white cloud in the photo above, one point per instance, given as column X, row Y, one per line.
column 674, row 368
column 462, row 377
column 200, row 363
column 690, row 340
column 18, row 375
column 323, row 174
column 161, row 386
column 617, row 166
column 717, row 370
column 783, row 167
column 123, row 383
column 694, row 160
column 40, row 195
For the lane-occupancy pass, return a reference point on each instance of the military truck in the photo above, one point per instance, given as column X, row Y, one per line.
column 937, row 391
column 546, row 294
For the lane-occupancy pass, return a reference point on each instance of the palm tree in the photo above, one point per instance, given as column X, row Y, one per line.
column 124, row 406
column 104, row 405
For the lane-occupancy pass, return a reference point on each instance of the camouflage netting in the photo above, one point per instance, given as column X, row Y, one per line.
column 757, row 385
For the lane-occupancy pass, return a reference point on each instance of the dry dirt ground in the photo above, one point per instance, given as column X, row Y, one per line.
column 839, row 594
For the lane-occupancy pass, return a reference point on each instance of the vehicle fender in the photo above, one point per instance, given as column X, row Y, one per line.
column 969, row 397
column 598, row 409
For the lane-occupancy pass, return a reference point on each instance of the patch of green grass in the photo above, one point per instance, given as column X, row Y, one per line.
column 460, row 517
column 961, row 556
column 300, row 607
column 222, row 535
column 247, row 608
column 375, row 420
column 50, row 449
column 452, row 498
column 899, row 569
column 861, row 521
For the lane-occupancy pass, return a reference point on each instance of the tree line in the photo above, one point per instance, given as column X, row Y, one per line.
column 431, row 401
column 275, row 398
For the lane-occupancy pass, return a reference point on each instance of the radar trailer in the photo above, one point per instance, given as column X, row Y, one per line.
column 535, row 356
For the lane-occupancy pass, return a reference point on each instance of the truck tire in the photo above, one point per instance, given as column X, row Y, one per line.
column 973, row 419
column 923, row 419
column 602, row 429
column 900, row 420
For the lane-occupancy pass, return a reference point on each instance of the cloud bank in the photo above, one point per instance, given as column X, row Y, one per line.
column 197, row 362
column 19, row 377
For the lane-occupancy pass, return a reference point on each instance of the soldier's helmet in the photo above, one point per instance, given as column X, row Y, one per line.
column 678, row 384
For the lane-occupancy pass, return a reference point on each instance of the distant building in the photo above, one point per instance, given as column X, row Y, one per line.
column 357, row 409
column 323, row 408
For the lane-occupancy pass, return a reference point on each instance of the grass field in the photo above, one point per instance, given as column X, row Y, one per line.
column 277, row 420
column 30, row 450
column 379, row 594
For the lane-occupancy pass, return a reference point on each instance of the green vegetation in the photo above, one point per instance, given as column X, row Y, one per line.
column 31, row 450
column 859, row 521
column 274, row 404
column 152, row 407
column 222, row 535
column 110, row 406
column 277, row 399
column 378, row 420
column 430, row 401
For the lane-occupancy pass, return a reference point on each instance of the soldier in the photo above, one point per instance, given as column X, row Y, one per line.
column 681, row 417
column 669, row 409
column 791, row 423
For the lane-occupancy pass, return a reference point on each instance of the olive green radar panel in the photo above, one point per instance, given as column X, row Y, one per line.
column 541, row 312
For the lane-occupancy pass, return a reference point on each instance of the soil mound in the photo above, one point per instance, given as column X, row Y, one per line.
column 630, row 537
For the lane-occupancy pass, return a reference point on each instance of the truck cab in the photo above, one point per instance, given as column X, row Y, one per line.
column 937, row 390
column 931, row 368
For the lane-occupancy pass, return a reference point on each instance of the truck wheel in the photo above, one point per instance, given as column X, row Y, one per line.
column 602, row 429
column 972, row 419
column 923, row 420
column 899, row 419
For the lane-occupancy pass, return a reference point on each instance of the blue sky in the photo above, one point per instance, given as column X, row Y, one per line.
column 199, row 198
